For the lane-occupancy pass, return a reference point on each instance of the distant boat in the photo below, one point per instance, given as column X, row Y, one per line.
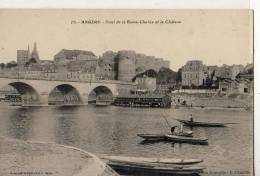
column 102, row 103
column 182, row 139
column 202, row 124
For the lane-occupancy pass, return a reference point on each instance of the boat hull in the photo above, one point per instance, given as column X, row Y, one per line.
column 130, row 159
column 152, row 137
column 180, row 139
column 201, row 124
column 162, row 137
column 149, row 170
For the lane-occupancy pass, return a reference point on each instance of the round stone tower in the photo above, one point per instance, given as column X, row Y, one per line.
column 126, row 65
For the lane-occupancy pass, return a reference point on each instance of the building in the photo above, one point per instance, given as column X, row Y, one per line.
column 229, row 72
column 82, row 70
column 146, row 83
column 65, row 56
column 242, row 86
column 109, row 65
column 49, row 71
column 32, row 71
column 125, row 64
column 193, row 73
column 24, row 56
column 75, row 65
column 144, row 63
column 144, row 100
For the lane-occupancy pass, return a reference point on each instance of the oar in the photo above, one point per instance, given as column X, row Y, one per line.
column 166, row 121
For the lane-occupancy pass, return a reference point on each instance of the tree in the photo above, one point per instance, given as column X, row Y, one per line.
column 2, row 65
column 11, row 64
column 179, row 78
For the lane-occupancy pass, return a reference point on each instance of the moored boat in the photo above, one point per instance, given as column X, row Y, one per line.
column 153, row 166
column 130, row 159
column 182, row 139
column 154, row 169
column 201, row 124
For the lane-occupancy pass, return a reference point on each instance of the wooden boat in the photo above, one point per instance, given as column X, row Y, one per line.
column 182, row 139
column 102, row 103
column 201, row 124
column 153, row 166
column 161, row 137
column 127, row 159
column 152, row 137
column 154, row 169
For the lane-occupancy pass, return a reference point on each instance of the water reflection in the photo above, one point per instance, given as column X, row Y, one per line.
column 67, row 129
column 20, row 123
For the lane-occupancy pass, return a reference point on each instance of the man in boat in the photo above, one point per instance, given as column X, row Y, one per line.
column 191, row 118
column 181, row 128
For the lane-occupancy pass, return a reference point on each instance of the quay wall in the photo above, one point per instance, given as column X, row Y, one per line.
column 213, row 100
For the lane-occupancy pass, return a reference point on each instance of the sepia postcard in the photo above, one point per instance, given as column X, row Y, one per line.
column 126, row 92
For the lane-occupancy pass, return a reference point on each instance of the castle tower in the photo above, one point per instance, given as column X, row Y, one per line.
column 126, row 65
column 35, row 54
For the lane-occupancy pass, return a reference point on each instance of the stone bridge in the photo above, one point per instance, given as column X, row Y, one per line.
column 45, row 92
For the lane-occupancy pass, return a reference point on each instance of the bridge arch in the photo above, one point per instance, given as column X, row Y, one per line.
column 64, row 94
column 28, row 93
column 100, row 93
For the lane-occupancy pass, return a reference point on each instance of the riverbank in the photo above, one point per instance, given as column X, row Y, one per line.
column 235, row 101
column 35, row 158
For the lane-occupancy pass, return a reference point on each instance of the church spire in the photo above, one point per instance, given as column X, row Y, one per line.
column 28, row 52
column 34, row 46
column 35, row 54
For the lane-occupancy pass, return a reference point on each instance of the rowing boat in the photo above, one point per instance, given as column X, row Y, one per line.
column 161, row 137
column 153, row 166
column 202, row 124
column 154, row 169
column 128, row 159
column 182, row 139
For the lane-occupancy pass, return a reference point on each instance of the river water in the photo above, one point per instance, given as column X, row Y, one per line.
column 112, row 130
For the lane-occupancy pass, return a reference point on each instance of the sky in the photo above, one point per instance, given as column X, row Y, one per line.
column 214, row 36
